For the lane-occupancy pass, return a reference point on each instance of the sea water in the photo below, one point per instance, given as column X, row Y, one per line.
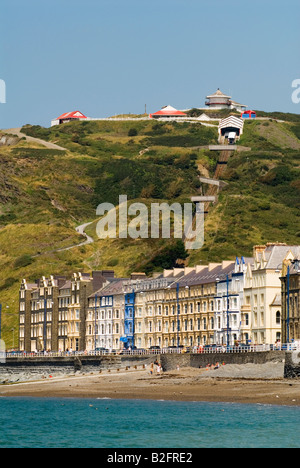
column 105, row 423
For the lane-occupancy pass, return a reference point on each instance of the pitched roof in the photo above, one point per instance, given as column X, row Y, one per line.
column 169, row 110
column 218, row 93
column 204, row 117
column 272, row 256
column 234, row 103
column 206, row 276
column 72, row 115
column 278, row 254
column 276, row 300
column 114, row 287
column 295, row 267
column 231, row 121
column 67, row 285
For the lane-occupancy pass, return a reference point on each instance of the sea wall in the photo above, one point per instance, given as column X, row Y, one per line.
column 18, row 368
column 170, row 361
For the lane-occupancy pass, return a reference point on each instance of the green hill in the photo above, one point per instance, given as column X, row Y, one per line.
column 45, row 194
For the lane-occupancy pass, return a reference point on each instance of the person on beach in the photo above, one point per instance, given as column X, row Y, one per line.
column 151, row 368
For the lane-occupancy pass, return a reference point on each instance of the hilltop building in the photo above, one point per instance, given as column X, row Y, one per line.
column 68, row 117
column 219, row 100
column 167, row 112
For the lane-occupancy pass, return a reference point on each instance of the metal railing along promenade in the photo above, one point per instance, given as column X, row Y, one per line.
column 214, row 349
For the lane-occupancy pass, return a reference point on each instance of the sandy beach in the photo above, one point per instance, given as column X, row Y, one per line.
column 186, row 384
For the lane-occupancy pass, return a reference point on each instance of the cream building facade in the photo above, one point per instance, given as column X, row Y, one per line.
column 261, row 310
column 178, row 307
column 219, row 303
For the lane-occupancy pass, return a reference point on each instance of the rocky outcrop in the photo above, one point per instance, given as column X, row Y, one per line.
column 9, row 140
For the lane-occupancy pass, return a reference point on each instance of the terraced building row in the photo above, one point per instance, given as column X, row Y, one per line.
column 250, row 300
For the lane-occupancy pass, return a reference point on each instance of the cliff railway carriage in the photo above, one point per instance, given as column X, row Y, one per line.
column 230, row 129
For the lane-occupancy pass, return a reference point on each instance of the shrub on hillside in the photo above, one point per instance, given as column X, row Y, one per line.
column 132, row 132
column 167, row 258
column 23, row 261
column 278, row 176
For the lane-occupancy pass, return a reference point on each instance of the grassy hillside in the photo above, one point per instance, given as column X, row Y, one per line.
column 261, row 202
column 45, row 194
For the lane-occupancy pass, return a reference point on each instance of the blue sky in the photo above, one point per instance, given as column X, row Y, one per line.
column 106, row 57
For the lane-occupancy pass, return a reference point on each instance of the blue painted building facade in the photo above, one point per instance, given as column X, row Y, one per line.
column 129, row 315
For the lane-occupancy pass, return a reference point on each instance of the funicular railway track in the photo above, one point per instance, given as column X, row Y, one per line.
column 213, row 189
